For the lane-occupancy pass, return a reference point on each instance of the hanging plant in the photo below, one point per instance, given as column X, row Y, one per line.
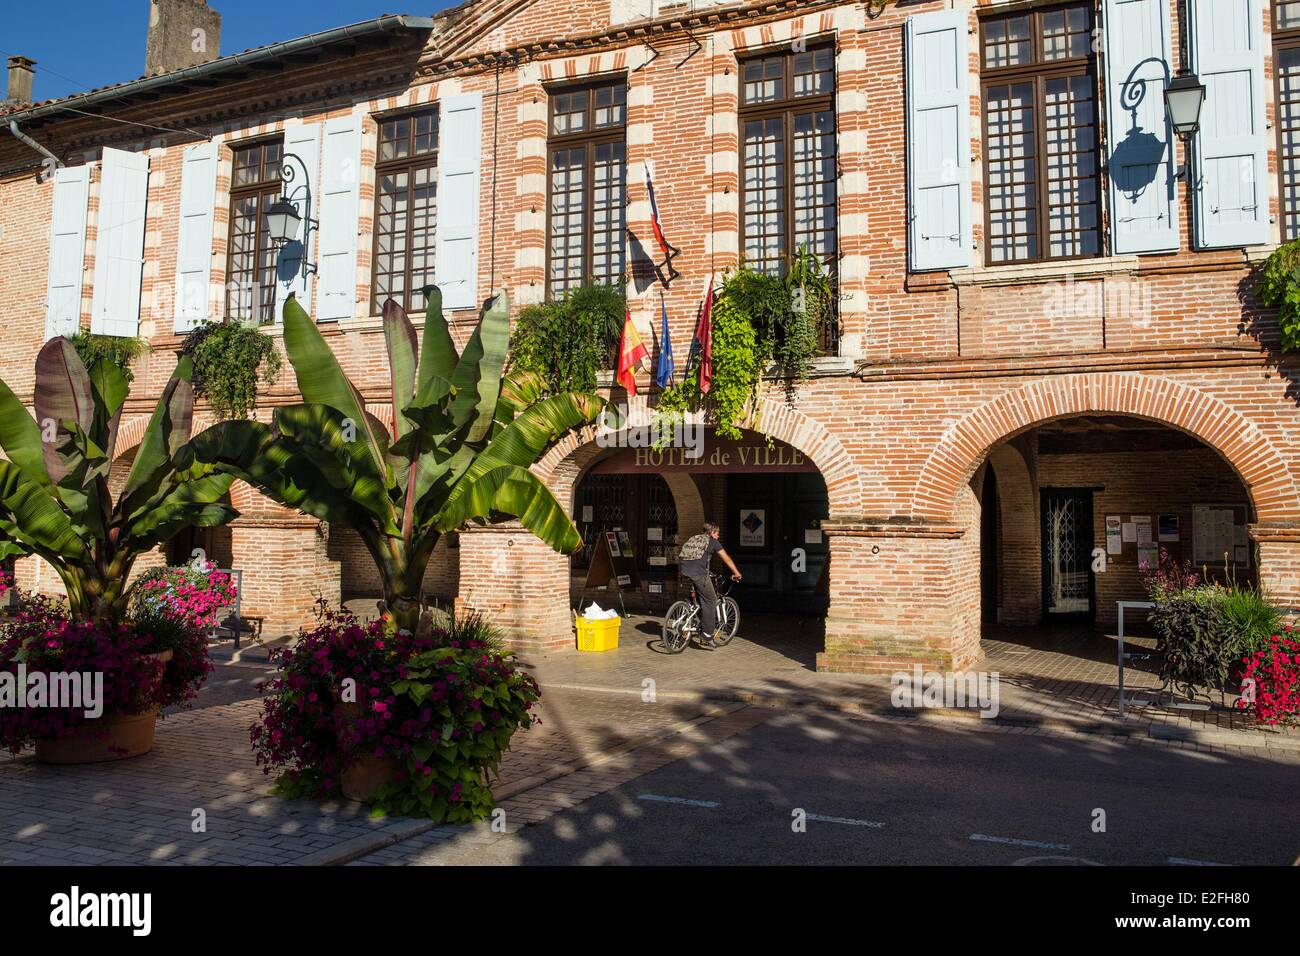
column 1278, row 287
column 118, row 350
column 230, row 359
column 736, row 371
column 569, row 340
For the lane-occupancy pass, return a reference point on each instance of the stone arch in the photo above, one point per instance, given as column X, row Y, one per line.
column 563, row 465
column 1236, row 439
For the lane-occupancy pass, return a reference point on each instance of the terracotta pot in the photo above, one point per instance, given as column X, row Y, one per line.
column 362, row 776
column 115, row 737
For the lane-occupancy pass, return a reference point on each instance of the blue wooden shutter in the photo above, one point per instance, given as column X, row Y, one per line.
column 456, row 249
column 194, row 236
column 119, row 243
column 938, row 141
column 340, row 190
column 67, row 251
column 1231, row 154
column 1143, row 192
column 293, row 261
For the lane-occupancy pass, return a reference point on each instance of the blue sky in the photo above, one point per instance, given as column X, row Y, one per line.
column 98, row 42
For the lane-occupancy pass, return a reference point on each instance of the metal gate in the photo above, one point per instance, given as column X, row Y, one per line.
column 1067, row 553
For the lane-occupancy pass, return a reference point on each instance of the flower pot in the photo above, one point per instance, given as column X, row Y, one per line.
column 115, row 737
column 97, row 741
column 362, row 776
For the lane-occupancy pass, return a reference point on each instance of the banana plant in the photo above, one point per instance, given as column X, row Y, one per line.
column 463, row 437
column 55, row 499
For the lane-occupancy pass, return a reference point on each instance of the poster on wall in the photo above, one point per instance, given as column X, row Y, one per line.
column 625, row 544
column 753, row 528
column 588, row 513
column 1130, row 532
column 1168, row 530
column 1114, row 534
column 1142, row 524
column 1148, row 558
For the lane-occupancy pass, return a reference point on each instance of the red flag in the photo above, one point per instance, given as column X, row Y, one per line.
column 703, row 342
column 631, row 353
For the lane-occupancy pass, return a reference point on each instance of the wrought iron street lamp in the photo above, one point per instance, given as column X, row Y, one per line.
column 283, row 220
column 1184, row 97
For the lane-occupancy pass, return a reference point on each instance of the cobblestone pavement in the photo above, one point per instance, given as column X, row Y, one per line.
column 1045, row 675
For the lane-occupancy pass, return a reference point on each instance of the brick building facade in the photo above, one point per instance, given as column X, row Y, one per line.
column 1030, row 289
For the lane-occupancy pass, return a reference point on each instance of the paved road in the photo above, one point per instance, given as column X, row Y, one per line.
column 903, row 793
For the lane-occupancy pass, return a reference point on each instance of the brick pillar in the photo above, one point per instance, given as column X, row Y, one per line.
column 285, row 563
column 518, row 583
column 901, row 595
column 1279, row 564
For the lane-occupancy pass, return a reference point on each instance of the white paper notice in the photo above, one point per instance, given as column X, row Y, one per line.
column 658, row 561
column 1130, row 532
column 654, row 534
column 1143, row 527
column 1114, row 534
column 588, row 513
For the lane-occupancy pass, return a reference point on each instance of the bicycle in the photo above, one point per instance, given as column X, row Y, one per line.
column 681, row 623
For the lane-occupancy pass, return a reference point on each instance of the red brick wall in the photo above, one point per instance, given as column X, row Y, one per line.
column 951, row 365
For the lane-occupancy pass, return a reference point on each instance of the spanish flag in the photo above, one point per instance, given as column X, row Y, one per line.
column 631, row 353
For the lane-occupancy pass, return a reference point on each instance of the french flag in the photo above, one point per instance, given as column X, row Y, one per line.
column 654, row 212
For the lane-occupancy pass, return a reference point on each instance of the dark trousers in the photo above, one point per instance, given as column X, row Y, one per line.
column 708, row 603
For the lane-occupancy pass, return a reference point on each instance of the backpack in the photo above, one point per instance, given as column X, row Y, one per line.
column 696, row 547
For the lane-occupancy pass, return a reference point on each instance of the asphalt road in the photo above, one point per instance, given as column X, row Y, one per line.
column 885, row 792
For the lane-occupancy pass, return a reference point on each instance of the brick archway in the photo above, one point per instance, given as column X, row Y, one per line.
column 571, row 456
column 1239, row 441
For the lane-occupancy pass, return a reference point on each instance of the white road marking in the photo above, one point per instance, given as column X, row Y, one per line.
column 1011, row 841
column 847, row 821
column 1179, row 861
column 682, row 800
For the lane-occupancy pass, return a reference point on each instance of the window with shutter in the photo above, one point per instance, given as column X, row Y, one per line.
column 67, row 251
column 787, row 157
column 1039, row 79
column 406, row 209
column 1286, row 69
column 251, row 257
column 587, row 159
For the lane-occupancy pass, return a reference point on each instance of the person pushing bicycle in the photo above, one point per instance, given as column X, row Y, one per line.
column 693, row 561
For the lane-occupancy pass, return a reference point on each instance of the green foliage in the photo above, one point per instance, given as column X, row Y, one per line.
column 1205, row 630
column 759, row 321
column 736, row 372
column 227, row 360
column 118, row 350
column 54, row 491
column 1278, row 287
column 463, row 439
column 569, row 340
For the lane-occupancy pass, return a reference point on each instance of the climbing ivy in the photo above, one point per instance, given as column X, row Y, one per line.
column 1278, row 287
column 228, row 357
column 736, row 372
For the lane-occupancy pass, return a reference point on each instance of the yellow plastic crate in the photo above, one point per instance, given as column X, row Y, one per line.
column 598, row 635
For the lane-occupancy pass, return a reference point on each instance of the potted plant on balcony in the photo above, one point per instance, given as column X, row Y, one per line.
column 56, row 504
column 462, row 439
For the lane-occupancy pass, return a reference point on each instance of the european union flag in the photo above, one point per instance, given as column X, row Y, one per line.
column 664, row 373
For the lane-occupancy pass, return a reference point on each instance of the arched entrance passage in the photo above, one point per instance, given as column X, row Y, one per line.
column 767, row 496
column 1186, row 449
column 525, row 588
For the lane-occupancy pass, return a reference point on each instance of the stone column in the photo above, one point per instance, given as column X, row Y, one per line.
column 518, row 583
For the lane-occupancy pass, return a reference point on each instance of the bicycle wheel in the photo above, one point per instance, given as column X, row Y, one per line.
column 677, row 626
column 728, row 620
